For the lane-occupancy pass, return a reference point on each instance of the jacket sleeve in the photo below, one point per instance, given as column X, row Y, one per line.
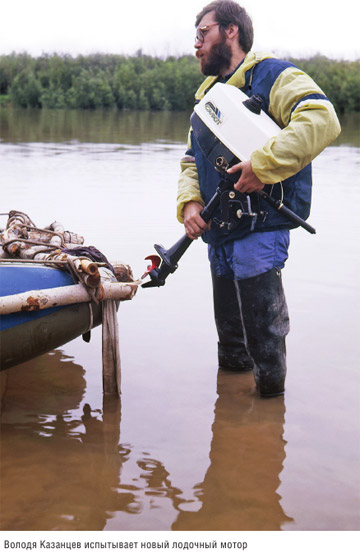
column 308, row 121
column 188, row 183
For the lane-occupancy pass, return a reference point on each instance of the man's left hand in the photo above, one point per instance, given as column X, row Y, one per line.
column 248, row 181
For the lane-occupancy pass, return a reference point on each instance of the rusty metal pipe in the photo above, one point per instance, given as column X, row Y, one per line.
column 62, row 296
column 89, row 267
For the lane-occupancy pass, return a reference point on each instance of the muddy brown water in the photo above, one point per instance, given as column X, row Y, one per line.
column 187, row 447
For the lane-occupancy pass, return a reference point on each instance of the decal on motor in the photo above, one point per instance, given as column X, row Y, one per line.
column 214, row 112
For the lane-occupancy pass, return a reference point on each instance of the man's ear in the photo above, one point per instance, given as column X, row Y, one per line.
column 231, row 30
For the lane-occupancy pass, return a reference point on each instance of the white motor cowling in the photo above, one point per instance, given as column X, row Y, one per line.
column 228, row 123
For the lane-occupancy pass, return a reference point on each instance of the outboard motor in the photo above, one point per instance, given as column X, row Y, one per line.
column 228, row 126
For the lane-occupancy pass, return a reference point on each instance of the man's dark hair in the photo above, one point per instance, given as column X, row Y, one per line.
column 227, row 12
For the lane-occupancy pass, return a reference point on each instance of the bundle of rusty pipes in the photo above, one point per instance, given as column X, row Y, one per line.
column 23, row 241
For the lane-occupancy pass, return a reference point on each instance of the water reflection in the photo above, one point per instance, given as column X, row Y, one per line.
column 49, row 385
column 350, row 130
column 112, row 126
column 62, row 462
column 157, row 481
column 104, row 126
column 58, row 467
column 239, row 491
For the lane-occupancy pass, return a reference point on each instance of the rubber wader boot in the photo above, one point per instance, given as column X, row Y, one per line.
column 232, row 352
column 266, row 321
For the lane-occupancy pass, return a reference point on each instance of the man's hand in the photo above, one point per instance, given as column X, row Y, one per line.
column 248, row 181
column 195, row 226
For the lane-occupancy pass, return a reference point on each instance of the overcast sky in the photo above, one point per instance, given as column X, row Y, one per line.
column 166, row 27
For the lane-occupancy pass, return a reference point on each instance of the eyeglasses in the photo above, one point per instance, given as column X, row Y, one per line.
column 201, row 31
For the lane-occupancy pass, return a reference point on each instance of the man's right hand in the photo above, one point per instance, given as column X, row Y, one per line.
column 195, row 226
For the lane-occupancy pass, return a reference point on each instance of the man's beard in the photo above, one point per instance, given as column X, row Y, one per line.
column 219, row 59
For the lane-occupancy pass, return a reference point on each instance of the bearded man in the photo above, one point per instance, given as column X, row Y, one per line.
column 250, row 309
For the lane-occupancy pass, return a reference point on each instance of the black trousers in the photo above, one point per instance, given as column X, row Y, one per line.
column 252, row 321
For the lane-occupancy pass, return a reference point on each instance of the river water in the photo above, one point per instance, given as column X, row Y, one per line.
column 188, row 447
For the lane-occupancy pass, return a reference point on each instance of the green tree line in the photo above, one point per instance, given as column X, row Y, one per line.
column 141, row 82
column 99, row 81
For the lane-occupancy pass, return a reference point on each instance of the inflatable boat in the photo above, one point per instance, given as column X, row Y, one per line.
column 30, row 333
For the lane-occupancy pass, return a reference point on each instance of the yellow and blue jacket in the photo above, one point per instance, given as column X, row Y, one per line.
column 308, row 124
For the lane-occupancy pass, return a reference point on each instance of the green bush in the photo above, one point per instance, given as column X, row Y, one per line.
column 25, row 90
